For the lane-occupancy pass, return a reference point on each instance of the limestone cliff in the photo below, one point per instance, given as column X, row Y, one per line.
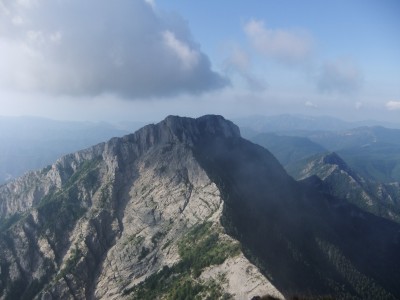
column 187, row 209
column 104, row 222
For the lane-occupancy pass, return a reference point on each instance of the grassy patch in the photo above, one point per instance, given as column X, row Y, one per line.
column 70, row 263
column 201, row 247
column 7, row 223
column 105, row 195
column 61, row 208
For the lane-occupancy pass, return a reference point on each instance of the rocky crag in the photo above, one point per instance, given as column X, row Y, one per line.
column 104, row 222
column 187, row 209
column 338, row 179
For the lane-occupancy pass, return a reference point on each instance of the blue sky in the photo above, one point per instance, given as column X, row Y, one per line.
column 142, row 60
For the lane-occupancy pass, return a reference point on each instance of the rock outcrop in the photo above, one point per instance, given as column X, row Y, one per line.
column 99, row 223
column 339, row 180
column 187, row 209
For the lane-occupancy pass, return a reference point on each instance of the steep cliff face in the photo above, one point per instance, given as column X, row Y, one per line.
column 104, row 222
column 187, row 208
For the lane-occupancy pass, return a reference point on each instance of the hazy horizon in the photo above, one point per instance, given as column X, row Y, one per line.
column 142, row 60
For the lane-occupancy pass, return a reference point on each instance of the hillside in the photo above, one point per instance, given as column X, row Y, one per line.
column 115, row 220
column 187, row 208
column 374, row 152
column 288, row 149
column 341, row 181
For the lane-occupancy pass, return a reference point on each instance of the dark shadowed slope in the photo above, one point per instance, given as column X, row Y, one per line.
column 341, row 181
column 305, row 242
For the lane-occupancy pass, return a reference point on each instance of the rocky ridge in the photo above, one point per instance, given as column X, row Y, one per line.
column 341, row 181
column 186, row 209
column 99, row 223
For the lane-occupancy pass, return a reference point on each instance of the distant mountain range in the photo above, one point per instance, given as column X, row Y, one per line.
column 364, row 169
column 295, row 124
column 374, row 152
column 188, row 209
column 288, row 149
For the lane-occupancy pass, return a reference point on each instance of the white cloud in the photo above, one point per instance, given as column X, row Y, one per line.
column 151, row 3
column 340, row 75
column 285, row 46
column 310, row 104
column 239, row 62
column 123, row 47
column 17, row 20
column 393, row 105
column 188, row 57
column 27, row 3
column 239, row 59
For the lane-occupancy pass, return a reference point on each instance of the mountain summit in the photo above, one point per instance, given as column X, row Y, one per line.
column 136, row 217
column 181, row 209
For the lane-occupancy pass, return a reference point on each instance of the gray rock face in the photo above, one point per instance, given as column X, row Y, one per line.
column 99, row 223
column 381, row 199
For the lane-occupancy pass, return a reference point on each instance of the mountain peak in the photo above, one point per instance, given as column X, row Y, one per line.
column 185, row 130
column 334, row 159
column 205, row 125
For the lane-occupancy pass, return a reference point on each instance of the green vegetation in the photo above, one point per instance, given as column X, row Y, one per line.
column 378, row 162
column 166, row 245
column 105, row 195
column 21, row 288
column 200, row 248
column 143, row 253
column 16, row 289
column 7, row 223
column 86, row 173
column 135, row 240
column 366, row 287
column 60, row 209
column 71, row 263
column 34, row 288
column 176, row 286
column 157, row 237
column 287, row 149
column 45, row 169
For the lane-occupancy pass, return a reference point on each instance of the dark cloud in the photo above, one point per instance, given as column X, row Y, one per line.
column 124, row 47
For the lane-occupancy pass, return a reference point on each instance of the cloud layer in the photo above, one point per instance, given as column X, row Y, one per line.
column 393, row 105
column 124, row 47
column 285, row 46
column 340, row 75
column 239, row 62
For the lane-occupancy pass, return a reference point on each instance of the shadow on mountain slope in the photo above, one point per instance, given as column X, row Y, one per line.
column 304, row 242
